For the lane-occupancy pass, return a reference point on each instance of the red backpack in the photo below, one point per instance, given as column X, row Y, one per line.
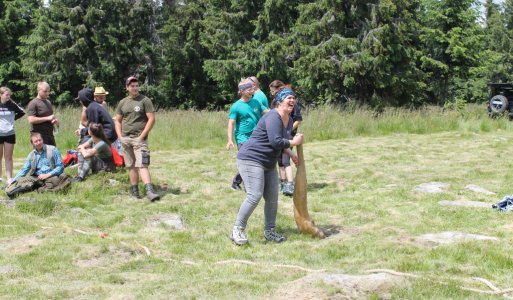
column 118, row 159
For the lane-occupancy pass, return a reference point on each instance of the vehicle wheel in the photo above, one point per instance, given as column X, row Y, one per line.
column 498, row 104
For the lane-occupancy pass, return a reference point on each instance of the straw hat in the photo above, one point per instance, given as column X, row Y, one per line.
column 99, row 90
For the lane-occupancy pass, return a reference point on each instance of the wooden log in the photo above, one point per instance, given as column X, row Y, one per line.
column 301, row 216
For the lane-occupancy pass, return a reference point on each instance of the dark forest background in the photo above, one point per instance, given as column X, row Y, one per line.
column 192, row 54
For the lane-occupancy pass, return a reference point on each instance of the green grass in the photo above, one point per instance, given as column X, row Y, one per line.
column 362, row 168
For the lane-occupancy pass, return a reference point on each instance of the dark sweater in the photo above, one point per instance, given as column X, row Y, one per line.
column 267, row 141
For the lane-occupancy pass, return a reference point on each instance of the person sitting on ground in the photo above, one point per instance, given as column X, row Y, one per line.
column 95, row 154
column 43, row 170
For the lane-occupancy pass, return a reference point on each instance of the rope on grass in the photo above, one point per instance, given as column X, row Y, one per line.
column 144, row 248
column 248, row 262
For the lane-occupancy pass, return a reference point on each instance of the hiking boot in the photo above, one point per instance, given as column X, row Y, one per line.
column 150, row 194
column 272, row 236
column 134, row 190
column 236, row 186
column 238, row 236
column 282, row 186
column 288, row 189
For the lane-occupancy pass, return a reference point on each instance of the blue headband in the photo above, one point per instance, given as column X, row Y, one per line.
column 282, row 94
column 245, row 86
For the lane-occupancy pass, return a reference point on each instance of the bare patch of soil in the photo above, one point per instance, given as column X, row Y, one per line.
column 21, row 244
column 449, row 237
column 96, row 257
column 341, row 286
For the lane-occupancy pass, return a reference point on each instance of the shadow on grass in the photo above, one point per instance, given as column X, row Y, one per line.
column 328, row 230
column 316, row 186
column 164, row 189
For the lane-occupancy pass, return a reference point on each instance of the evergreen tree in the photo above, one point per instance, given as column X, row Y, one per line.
column 15, row 22
column 451, row 42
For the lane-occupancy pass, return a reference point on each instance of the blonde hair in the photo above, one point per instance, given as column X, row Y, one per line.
column 5, row 89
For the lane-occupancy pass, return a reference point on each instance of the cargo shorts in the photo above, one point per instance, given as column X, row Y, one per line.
column 135, row 152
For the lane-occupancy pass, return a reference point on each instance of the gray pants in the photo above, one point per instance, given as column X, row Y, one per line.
column 258, row 182
column 94, row 163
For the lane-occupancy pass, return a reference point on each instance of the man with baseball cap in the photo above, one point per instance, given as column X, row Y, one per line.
column 135, row 117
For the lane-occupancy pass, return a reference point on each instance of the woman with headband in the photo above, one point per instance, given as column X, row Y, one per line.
column 256, row 162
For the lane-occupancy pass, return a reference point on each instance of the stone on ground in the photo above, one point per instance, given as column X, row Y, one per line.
column 465, row 203
column 432, row 187
column 478, row 189
column 449, row 237
column 342, row 286
column 168, row 220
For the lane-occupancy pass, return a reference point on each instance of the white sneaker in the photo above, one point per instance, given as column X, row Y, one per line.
column 238, row 235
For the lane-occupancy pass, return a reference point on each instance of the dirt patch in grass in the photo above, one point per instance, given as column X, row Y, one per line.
column 341, row 286
column 21, row 244
column 98, row 257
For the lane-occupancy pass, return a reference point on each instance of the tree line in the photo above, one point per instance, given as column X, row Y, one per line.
column 192, row 54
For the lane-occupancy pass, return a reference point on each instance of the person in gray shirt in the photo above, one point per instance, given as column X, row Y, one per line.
column 256, row 162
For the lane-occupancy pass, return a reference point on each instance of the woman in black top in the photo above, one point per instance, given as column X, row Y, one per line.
column 257, row 165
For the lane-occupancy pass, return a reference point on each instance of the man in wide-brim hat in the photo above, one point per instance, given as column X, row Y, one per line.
column 99, row 96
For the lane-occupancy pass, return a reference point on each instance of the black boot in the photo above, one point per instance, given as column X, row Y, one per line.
column 134, row 190
column 150, row 194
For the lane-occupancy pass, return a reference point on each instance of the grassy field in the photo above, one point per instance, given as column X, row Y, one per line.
column 362, row 170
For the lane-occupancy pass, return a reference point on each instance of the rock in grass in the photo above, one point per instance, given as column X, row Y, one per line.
column 432, row 187
column 6, row 269
column 168, row 220
column 449, row 237
column 342, row 286
column 478, row 189
column 465, row 203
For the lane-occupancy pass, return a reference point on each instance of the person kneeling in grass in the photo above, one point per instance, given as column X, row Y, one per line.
column 43, row 170
column 95, row 154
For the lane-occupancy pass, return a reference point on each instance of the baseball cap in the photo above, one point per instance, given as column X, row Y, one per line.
column 131, row 79
column 99, row 90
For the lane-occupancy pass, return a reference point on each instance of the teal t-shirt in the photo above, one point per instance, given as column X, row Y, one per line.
column 260, row 96
column 246, row 116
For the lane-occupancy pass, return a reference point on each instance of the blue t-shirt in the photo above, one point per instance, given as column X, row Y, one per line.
column 262, row 98
column 267, row 140
column 246, row 116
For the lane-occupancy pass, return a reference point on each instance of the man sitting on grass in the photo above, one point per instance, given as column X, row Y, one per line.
column 44, row 168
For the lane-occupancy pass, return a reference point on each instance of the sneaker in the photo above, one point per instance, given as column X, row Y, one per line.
column 288, row 189
column 272, row 236
column 238, row 236
column 236, row 187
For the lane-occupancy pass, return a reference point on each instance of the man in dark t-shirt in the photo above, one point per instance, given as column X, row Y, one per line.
column 40, row 114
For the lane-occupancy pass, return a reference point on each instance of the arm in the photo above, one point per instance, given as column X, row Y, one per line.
column 274, row 128
column 18, row 111
column 296, row 124
column 117, row 124
column 292, row 156
column 90, row 152
column 23, row 172
column 148, row 127
column 229, row 132
column 83, row 116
